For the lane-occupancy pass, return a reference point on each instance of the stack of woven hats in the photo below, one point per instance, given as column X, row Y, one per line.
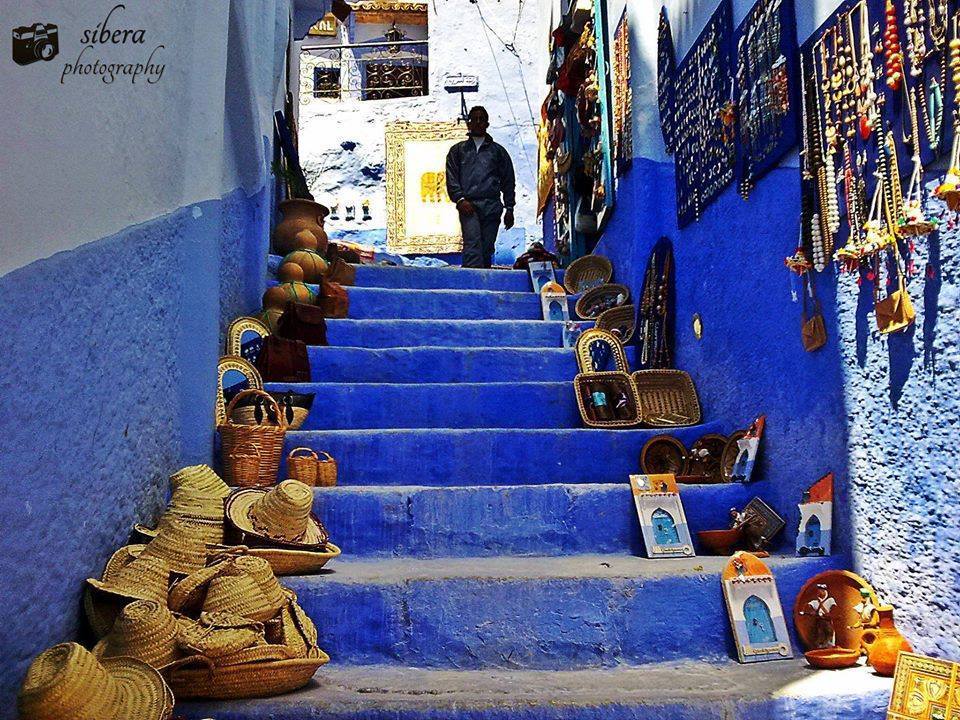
column 186, row 615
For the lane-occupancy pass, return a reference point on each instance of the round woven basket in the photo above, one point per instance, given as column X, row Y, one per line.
column 286, row 561
column 236, row 439
column 596, row 301
column 249, row 680
column 302, row 466
column 621, row 321
column 586, row 273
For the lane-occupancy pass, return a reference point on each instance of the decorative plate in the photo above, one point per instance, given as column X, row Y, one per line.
column 844, row 587
column 704, row 458
column 663, row 455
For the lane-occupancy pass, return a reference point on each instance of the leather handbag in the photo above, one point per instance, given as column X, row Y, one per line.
column 333, row 300
column 303, row 322
column 283, row 360
column 813, row 332
column 895, row 312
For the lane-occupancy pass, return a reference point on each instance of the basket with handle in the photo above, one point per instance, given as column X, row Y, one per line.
column 302, row 466
column 244, row 463
column 266, row 438
column 326, row 470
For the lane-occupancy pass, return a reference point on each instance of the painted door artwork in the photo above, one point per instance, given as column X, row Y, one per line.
column 556, row 310
column 812, row 532
column 664, row 528
column 759, row 622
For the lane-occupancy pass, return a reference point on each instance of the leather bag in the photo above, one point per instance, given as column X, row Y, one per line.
column 303, row 322
column 283, row 360
column 895, row 312
column 813, row 332
column 333, row 300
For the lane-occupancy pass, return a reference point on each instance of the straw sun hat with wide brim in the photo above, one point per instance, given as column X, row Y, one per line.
column 145, row 630
column 277, row 517
column 198, row 496
column 67, row 682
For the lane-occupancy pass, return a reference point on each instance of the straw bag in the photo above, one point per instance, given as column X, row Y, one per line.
column 266, row 439
column 310, row 469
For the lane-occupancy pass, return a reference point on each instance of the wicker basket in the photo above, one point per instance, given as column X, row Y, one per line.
column 302, row 466
column 668, row 398
column 252, row 679
column 621, row 321
column 267, row 440
column 594, row 302
column 326, row 470
column 586, row 273
column 613, row 383
column 285, row 561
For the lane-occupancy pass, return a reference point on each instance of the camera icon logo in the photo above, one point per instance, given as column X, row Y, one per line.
column 39, row 41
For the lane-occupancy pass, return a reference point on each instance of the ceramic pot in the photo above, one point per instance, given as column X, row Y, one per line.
column 834, row 658
column 720, row 542
column 884, row 643
column 301, row 227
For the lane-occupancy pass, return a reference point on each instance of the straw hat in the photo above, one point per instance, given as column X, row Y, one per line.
column 262, row 574
column 180, row 544
column 277, row 516
column 146, row 630
column 67, row 682
column 195, row 508
column 241, row 595
column 147, row 577
column 200, row 479
column 219, row 634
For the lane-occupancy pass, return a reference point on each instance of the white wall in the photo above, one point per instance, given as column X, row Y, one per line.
column 458, row 43
column 82, row 159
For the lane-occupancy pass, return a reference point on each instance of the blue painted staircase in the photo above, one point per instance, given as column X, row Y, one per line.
column 492, row 562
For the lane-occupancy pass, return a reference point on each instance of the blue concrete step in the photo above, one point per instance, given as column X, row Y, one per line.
column 458, row 457
column 371, row 521
column 443, row 364
column 369, row 303
column 445, row 333
column 345, row 406
column 545, row 613
column 437, row 278
column 785, row 690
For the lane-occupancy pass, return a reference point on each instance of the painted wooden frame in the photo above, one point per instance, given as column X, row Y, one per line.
column 541, row 273
column 663, row 523
column 420, row 216
column 753, row 606
column 225, row 365
column 235, row 344
column 816, row 518
column 553, row 302
column 924, row 688
column 585, row 359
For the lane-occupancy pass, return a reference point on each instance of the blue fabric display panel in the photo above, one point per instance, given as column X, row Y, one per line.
column 768, row 101
column 704, row 118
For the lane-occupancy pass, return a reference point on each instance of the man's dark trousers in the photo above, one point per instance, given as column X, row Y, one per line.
column 479, row 236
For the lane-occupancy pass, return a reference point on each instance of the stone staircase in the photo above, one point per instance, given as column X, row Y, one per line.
column 491, row 559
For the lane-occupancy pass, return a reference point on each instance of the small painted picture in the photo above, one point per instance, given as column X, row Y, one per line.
column 572, row 330
column 748, row 448
column 553, row 302
column 541, row 273
column 662, row 520
column 756, row 615
column 816, row 518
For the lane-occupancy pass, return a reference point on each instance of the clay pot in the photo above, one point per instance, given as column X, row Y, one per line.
column 720, row 542
column 290, row 272
column 301, row 227
column 833, row 658
column 270, row 318
column 310, row 261
column 884, row 643
column 279, row 295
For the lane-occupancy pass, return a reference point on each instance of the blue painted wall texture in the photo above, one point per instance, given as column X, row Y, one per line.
column 111, row 359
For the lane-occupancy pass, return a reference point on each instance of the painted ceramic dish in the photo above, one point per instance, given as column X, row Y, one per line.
column 834, row 658
column 663, row 455
column 705, row 458
column 844, row 587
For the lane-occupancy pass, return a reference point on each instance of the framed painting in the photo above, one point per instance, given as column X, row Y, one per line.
column 756, row 615
column 421, row 219
column 924, row 689
column 662, row 520
column 541, row 273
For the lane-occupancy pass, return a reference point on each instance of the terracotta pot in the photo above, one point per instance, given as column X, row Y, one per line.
column 720, row 542
column 834, row 658
column 884, row 643
column 301, row 227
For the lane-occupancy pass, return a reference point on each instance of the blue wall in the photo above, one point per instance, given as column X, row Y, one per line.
column 108, row 382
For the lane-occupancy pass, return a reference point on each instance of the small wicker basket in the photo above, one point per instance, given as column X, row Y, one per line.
column 266, row 439
column 302, row 466
column 326, row 470
column 611, row 383
column 586, row 273
column 621, row 321
column 605, row 297
column 668, row 398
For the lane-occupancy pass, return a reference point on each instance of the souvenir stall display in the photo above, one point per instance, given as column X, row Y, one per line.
column 662, row 520
column 751, row 528
column 705, row 142
column 580, row 133
column 606, row 396
column 766, row 89
column 712, row 458
column 753, row 605
column 666, row 81
column 655, row 315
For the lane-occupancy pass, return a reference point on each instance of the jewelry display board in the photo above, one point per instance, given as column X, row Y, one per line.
column 705, row 151
column 767, row 98
column 666, row 79
column 622, row 96
column 420, row 216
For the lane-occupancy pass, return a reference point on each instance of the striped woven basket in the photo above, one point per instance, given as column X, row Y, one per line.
column 266, row 439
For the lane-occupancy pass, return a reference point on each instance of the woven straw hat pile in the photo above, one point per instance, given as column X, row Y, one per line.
column 185, row 616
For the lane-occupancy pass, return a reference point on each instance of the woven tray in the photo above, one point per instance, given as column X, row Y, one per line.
column 621, row 321
column 586, row 273
column 613, row 383
column 594, row 302
column 668, row 398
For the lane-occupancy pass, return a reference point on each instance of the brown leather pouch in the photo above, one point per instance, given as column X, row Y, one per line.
column 895, row 312
column 333, row 299
column 813, row 332
column 304, row 323
column 283, row 360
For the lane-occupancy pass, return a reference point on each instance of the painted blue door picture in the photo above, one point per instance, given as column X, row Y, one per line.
column 556, row 310
column 758, row 620
column 812, row 533
column 665, row 528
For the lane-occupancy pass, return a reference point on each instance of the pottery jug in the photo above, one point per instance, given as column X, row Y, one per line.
column 301, row 227
column 884, row 643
